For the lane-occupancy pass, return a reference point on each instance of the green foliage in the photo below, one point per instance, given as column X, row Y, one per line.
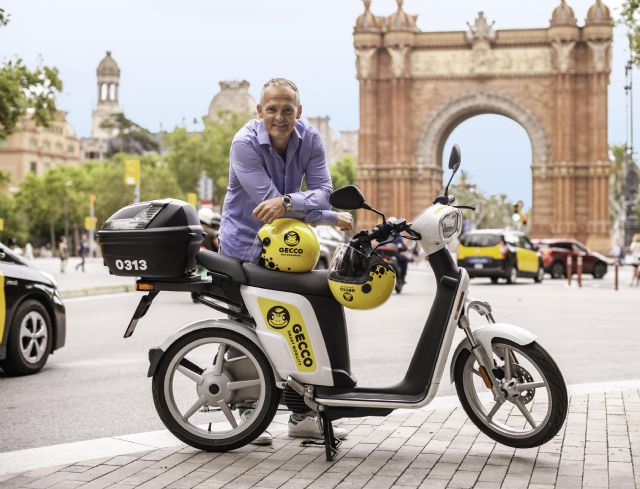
column 193, row 153
column 4, row 17
column 492, row 211
column 22, row 90
column 343, row 172
column 130, row 137
column 42, row 202
column 630, row 17
column 616, row 182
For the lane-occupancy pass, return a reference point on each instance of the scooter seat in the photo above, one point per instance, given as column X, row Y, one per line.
column 309, row 283
column 226, row 265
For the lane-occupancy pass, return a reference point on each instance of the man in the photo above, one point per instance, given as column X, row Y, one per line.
column 269, row 159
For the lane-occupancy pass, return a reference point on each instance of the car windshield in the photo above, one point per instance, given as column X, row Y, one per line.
column 480, row 239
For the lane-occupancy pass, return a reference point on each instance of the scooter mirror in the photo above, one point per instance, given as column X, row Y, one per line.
column 455, row 158
column 348, row 197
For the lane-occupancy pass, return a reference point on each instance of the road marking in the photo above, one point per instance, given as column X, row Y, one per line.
column 70, row 453
column 96, row 297
column 104, row 362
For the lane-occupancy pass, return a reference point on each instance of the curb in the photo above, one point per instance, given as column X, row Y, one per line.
column 103, row 290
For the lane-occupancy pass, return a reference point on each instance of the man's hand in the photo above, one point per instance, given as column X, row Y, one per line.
column 344, row 221
column 269, row 210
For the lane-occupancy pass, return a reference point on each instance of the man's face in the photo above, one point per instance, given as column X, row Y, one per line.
column 279, row 110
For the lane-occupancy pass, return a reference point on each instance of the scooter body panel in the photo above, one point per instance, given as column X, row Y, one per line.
column 289, row 332
column 484, row 335
column 206, row 324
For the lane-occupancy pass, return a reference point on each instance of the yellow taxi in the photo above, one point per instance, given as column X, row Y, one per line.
column 500, row 253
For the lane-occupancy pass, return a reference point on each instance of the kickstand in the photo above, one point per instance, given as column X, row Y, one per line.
column 331, row 443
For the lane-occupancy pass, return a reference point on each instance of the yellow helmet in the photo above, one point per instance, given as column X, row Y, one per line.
column 288, row 245
column 360, row 281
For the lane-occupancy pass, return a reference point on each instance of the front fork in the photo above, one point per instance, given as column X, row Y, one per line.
column 483, row 357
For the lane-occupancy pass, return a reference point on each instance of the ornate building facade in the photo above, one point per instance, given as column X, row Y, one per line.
column 34, row 149
column 416, row 87
column 108, row 84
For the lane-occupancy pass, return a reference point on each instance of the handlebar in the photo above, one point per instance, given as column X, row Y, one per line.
column 381, row 233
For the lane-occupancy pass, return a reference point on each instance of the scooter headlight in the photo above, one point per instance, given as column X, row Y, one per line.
column 450, row 225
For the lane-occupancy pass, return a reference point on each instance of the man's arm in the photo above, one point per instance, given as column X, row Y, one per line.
column 318, row 183
column 248, row 167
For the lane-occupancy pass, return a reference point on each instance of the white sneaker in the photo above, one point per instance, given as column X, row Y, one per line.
column 308, row 428
column 263, row 439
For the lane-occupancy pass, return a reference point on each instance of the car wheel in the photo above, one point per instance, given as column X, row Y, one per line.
column 30, row 338
column 557, row 270
column 539, row 276
column 599, row 270
column 512, row 274
column 494, row 280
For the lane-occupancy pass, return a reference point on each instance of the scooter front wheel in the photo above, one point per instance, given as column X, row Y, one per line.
column 214, row 390
column 534, row 399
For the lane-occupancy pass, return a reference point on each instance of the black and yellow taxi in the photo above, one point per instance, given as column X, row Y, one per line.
column 499, row 253
column 32, row 315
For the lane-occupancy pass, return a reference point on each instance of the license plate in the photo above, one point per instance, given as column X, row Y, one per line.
column 478, row 266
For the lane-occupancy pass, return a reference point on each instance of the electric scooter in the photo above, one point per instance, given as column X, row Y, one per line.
column 285, row 339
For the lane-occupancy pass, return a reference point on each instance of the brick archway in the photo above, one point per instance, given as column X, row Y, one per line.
column 416, row 87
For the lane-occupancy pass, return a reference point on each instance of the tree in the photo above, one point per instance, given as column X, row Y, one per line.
column 25, row 91
column 491, row 212
column 4, row 17
column 343, row 172
column 191, row 154
column 130, row 138
column 630, row 17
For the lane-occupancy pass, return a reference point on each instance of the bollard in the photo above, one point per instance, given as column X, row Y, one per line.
column 615, row 275
column 579, row 270
column 569, row 268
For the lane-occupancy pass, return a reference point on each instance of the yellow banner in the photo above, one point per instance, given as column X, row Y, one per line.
column 192, row 199
column 132, row 172
column 90, row 222
column 1, row 224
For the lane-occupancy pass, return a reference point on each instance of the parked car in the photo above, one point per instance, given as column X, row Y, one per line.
column 329, row 238
column 556, row 251
column 499, row 253
column 32, row 315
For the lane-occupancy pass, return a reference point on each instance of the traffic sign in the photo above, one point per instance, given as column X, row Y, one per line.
column 192, row 198
column 90, row 222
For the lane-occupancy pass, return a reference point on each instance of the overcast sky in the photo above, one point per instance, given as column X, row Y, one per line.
column 173, row 54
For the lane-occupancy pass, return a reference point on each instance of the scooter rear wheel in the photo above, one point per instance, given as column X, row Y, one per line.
column 214, row 390
column 534, row 403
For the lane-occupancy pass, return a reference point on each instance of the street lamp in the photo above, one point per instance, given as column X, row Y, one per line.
column 630, row 175
column 67, row 184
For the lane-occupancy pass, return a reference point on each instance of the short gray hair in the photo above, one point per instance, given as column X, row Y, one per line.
column 280, row 82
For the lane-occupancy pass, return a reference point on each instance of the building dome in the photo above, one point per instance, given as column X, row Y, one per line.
column 108, row 66
column 233, row 97
column 563, row 15
column 400, row 21
column 367, row 21
column 598, row 14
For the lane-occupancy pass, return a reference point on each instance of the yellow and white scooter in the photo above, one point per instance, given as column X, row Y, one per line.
column 289, row 338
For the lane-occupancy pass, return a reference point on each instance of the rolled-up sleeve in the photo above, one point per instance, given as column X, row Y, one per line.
column 248, row 167
column 318, row 182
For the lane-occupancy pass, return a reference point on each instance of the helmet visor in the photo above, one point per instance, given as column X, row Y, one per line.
column 348, row 262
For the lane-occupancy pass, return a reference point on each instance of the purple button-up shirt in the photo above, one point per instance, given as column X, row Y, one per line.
column 257, row 172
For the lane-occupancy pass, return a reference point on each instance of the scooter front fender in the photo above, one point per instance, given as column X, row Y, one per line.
column 155, row 354
column 484, row 335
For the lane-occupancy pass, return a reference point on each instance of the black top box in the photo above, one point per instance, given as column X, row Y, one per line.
column 157, row 239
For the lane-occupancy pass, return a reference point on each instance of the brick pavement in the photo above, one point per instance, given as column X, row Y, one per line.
column 598, row 447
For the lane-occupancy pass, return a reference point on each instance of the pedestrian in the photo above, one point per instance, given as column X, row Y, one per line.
column 634, row 252
column 62, row 253
column 28, row 251
column 83, row 250
column 269, row 159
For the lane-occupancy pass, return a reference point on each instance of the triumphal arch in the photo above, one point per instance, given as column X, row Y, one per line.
column 416, row 87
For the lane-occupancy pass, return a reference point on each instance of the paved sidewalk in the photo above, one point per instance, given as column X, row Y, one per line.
column 599, row 447
column 95, row 280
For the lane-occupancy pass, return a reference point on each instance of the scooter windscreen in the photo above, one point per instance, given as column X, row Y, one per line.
column 360, row 281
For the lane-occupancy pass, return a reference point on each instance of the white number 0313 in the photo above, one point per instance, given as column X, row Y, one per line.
column 131, row 264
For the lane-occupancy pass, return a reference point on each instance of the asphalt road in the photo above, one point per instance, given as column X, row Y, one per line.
column 97, row 386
